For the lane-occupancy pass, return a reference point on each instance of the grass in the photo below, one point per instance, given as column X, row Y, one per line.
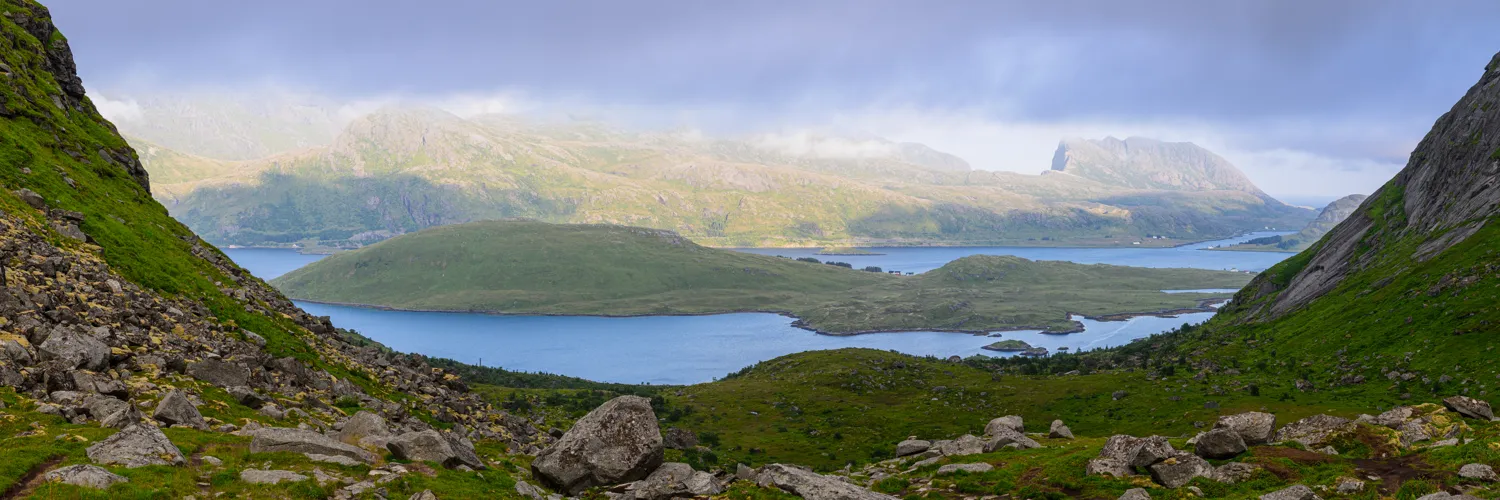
column 528, row 267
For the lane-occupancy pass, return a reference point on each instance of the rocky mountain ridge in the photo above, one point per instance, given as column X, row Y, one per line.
column 1144, row 163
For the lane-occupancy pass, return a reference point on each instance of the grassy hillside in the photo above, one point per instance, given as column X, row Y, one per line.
column 1329, row 218
column 540, row 268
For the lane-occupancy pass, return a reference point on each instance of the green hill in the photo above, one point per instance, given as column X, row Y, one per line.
column 539, row 268
column 1331, row 216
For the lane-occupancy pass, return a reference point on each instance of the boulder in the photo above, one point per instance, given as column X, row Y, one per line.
column 1177, row 470
column 966, row 444
column 1137, row 452
column 247, row 396
column 679, row 439
column 365, row 425
column 1297, row 492
column 256, row 476
column 1136, row 494
column 101, row 407
column 1012, row 422
column 912, row 447
column 274, row 439
column 75, row 350
column 673, row 480
column 1219, row 443
column 31, row 197
column 1348, row 486
column 1315, row 431
column 123, row 418
column 618, row 442
column 1470, row 407
column 219, row 373
column 1395, row 417
column 976, row 468
column 813, row 486
column 1109, row 467
column 1059, row 431
column 1004, row 437
column 1253, row 427
column 136, row 446
column 1234, row 472
column 176, row 409
column 87, row 476
column 744, row 472
column 425, row 495
column 1479, row 472
column 14, row 351
column 527, row 490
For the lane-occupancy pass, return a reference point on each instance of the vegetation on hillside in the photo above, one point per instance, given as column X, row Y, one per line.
column 537, row 268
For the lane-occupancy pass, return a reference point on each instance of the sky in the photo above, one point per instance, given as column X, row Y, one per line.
column 1310, row 99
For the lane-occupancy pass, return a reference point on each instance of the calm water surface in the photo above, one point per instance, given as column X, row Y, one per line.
column 692, row 349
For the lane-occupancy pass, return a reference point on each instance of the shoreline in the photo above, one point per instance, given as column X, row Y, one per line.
column 1204, row 305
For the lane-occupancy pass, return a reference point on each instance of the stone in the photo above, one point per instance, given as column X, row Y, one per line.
column 434, row 446
column 76, row 350
column 813, row 486
column 1219, row 444
column 31, row 197
column 527, row 490
column 1012, row 422
column 1004, row 437
column 176, row 409
column 219, row 373
column 1234, row 472
column 123, row 418
column 87, row 476
column 1470, row 407
column 1137, row 452
column 1348, row 486
column 100, row 407
column 256, row 476
column 333, row 459
column 744, row 472
column 423, row 495
column 1253, row 427
column 1177, row 470
column 1136, row 494
column 1118, row 395
column 679, row 439
column 618, row 442
column 1479, row 472
column 136, row 446
column 975, row 468
column 274, row 439
column 212, row 461
column 1315, row 431
column 14, row 351
column 967, row 444
column 674, row 479
column 912, row 447
column 1109, row 467
column 247, row 396
column 1296, row 492
column 363, row 426
column 1059, row 431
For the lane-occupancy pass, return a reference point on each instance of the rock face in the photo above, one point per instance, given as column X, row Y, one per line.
column 1253, row 427
column 1219, row 444
column 434, row 446
column 136, row 446
column 176, row 409
column 813, row 486
column 1470, row 407
column 87, row 476
column 273, row 439
column 1012, row 422
column 616, row 443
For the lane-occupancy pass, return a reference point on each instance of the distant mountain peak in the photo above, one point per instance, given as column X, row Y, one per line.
column 1147, row 163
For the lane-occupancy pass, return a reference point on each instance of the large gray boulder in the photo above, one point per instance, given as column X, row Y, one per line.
column 136, row 446
column 176, row 409
column 1254, row 427
column 1177, row 470
column 1470, row 407
column 274, row 439
column 433, row 446
column 616, row 443
column 1059, row 430
column 813, row 486
column 675, row 480
column 1315, row 431
column 1137, row 452
column 87, row 476
column 366, row 429
column 1219, row 444
column 1004, row 437
column 1295, row 492
column 221, row 373
column 1012, row 422
column 1479, row 472
column 75, row 350
column 967, row 444
column 912, row 447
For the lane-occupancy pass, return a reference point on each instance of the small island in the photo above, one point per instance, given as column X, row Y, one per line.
column 846, row 251
column 1010, row 345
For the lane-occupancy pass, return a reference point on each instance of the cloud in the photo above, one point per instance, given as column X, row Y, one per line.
column 118, row 111
column 810, row 145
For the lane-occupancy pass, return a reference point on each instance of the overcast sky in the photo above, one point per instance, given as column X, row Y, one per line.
column 1311, row 98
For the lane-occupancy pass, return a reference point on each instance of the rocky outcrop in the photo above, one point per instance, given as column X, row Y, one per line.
column 1470, row 407
column 1253, row 427
column 618, row 442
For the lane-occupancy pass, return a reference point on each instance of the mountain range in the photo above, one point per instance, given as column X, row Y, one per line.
column 399, row 170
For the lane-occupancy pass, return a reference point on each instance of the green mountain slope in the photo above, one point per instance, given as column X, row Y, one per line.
column 1331, row 215
column 402, row 170
column 535, row 267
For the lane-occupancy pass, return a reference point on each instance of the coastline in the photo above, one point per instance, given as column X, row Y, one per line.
column 1204, row 305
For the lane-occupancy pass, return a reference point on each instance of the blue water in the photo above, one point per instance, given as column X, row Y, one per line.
column 923, row 259
column 693, row 349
